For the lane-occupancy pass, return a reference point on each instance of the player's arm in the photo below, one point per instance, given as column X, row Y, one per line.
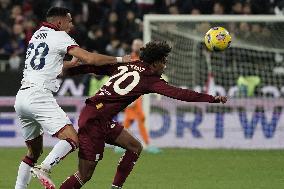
column 85, row 69
column 96, row 58
column 161, row 87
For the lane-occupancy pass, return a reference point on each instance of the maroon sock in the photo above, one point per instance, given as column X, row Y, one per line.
column 124, row 167
column 72, row 182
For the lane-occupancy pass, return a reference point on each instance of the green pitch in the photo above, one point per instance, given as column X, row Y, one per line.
column 172, row 169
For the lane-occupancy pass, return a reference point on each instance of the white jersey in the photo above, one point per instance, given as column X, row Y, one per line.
column 44, row 57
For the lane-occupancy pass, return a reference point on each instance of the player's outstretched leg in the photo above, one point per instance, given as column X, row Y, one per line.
column 133, row 149
column 24, row 171
column 67, row 144
column 73, row 182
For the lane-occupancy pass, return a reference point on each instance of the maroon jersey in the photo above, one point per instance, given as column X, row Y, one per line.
column 127, row 82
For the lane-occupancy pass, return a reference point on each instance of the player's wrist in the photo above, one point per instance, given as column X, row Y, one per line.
column 119, row 59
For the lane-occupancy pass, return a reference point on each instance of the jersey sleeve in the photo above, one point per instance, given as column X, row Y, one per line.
column 160, row 86
column 65, row 42
column 84, row 69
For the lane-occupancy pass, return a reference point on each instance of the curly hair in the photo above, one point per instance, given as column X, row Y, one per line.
column 154, row 51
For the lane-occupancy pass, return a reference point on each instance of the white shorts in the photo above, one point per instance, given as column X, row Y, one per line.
column 38, row 110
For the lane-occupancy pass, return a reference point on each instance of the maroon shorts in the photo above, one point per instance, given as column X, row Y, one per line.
column 94, row 133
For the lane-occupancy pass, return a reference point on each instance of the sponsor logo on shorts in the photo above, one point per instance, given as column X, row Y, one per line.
column 99, row 106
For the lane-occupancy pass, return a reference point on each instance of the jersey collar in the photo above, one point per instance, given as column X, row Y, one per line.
column 49, row 25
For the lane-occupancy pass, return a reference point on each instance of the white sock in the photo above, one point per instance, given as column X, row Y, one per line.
column 24, row 176
column 60, row 150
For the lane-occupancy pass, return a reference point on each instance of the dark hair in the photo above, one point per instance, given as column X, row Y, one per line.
column 154, row 51
column 57, row 11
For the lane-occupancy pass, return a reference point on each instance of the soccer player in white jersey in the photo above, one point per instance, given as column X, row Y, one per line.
column 35, row 105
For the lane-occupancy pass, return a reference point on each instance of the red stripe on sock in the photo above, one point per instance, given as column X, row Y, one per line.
column 31, row 162
column 72, row 143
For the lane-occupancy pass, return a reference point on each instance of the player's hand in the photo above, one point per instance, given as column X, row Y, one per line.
column 126, row 58
column 222, row 99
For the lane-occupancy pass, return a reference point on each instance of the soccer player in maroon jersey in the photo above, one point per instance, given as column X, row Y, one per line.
column 127, row 82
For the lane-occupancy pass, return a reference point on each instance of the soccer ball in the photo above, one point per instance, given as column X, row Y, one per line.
column 217, row 39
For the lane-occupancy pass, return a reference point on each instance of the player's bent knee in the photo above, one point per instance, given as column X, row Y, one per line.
column 137, row 147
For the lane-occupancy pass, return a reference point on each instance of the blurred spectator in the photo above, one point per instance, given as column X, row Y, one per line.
column 123, row 6
column 111, row 32
column 111, row 25
column 4, row 36
column 195, row 11
column 16, row 47
column 79, row 33
column 14, row 62
column 184, row 7
column 16, row 14
column 113, row 22
column 5, row 10
column 114, row 48
column 64, row 3
column 260, row 6
column 173, row 9
column 247, row 8
column 96, row 41
column 29, row 28
column 205, row 6
column 145, row 6
column 202, row 27
column 40, row 8
column 255, row 28
column 96, row 13
column 237, row 8
column 131, row 27
column 218, row 8
column 27, row 9
column 244, row 30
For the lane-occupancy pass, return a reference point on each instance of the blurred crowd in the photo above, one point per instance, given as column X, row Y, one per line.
column 105, row 26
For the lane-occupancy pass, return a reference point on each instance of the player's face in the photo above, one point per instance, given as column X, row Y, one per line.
column 161, row 66
column 66, row 23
